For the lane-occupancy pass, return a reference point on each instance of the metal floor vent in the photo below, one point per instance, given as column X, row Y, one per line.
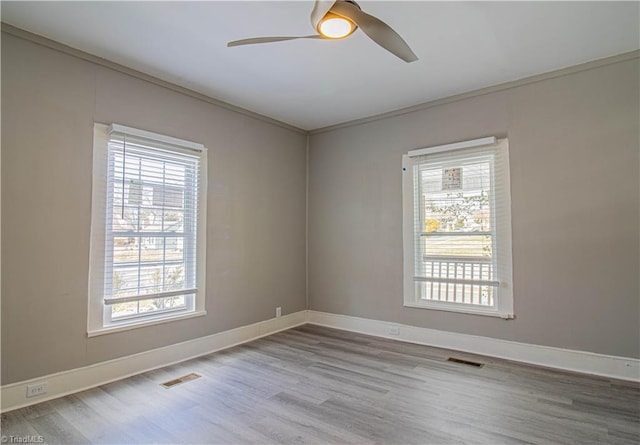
column 465, row 362
column 184, row 378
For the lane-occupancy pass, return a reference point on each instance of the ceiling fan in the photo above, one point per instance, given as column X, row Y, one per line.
column 338, row 19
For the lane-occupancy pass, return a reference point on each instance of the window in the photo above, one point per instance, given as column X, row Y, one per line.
column 457, row 228
column 147, row 229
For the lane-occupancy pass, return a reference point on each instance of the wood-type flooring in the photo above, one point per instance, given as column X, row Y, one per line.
column 315, row 385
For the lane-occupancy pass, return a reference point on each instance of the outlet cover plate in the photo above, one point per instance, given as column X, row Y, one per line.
column 37, row 389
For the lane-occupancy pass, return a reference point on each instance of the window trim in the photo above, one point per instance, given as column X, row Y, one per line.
column 503, row 307
column 98, row 321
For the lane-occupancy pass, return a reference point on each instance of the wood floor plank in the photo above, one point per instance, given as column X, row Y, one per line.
column 315, row 385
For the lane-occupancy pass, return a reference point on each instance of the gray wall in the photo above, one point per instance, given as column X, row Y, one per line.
column 256, row 209
column 575, row 193
column 574, row 183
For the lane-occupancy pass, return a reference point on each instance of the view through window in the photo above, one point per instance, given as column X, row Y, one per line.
column 457, row 224
column 148, row 227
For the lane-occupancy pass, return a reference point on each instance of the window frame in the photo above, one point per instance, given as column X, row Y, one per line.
column 99, row 319
column 501, row 237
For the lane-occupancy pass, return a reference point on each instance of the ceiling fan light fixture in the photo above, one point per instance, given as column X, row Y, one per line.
column 337, row 19
column 334, row 26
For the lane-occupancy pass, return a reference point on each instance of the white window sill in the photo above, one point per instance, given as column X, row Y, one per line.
column 461, row 310
column 141, row 324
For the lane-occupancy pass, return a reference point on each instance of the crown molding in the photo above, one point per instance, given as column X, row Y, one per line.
column 57, row 46
column 488, row 90
column 52, row 44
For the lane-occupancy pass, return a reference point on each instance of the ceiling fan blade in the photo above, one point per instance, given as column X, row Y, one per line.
column 320, row 9
column 376, row 29
column 268, row 40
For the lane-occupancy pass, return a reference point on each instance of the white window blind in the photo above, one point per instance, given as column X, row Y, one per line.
column 457, row 228
column 149, row 263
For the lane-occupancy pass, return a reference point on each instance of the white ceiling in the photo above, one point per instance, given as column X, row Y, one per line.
column 462, row 46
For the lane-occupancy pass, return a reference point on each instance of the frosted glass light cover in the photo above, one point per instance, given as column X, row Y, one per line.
column 336, row 27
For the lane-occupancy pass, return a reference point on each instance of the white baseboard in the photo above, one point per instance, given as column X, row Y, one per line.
column 74, row 380
column 570, row 360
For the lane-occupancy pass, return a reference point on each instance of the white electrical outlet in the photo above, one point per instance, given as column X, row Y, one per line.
column 37, row 389
column 394, row 330
column 278, row 312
